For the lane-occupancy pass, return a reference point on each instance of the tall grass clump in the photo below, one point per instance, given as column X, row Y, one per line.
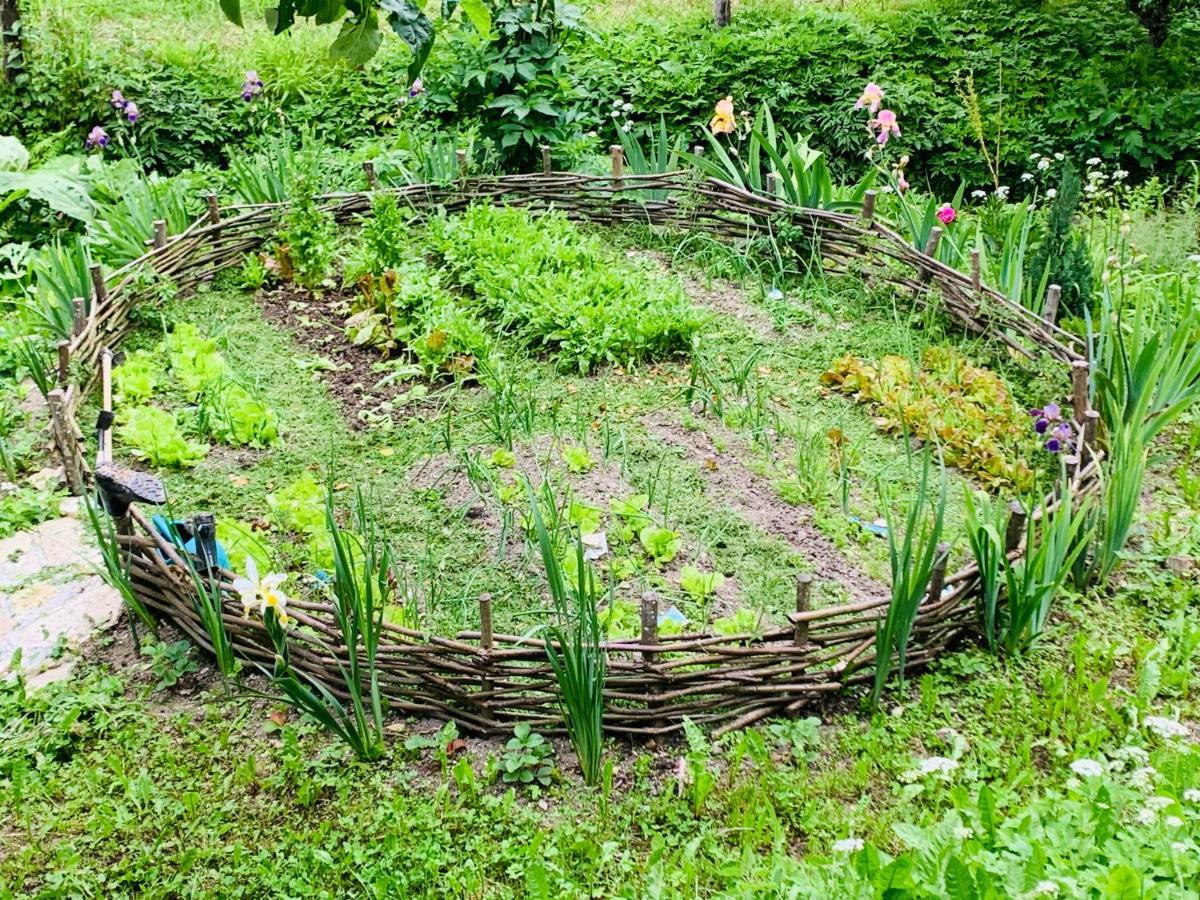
column 914, row 531
column 573, row 646
column 986, row 527
column 1147, row 375
column 363, row 566
column 1055, row 536
column 114, row 570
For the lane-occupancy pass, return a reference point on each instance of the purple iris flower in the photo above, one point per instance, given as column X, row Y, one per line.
column 1041, row 425
column 118, row 100
column 131, row 111
column 97, row 138
column 252, row 86
column 1054, row 445
column 1052, row 412
column 418, row 87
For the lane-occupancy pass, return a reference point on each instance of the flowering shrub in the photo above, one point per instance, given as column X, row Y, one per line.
column 965, row 408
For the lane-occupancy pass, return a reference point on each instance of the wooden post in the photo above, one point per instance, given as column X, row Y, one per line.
column 1016, row 527
column 937, row 580
column 99, row 286
column 1050, row 310
column 78, row 316
column 772, row 185
column 649, row 625
column 10, row 39
column 868, row 206
column 547, row 166
column 486, row 638
column 1079, row 389
column 64, row 438
column 214, row 210
column 698, row 150
column 935, row 238
column 804, row 583
column 1091, row 428
column 372, row 177
column 618, row 164
column 976, row 274
column 486, row 642
column 160, row 234
column 721, row 12
column 64, row 362
column 106, row 404
column 463, row 168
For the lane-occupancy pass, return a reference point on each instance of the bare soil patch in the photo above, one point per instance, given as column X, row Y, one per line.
column 752, row 497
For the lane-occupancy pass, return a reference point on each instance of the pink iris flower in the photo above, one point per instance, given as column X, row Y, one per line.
column 886, row 123
column 872, row 96
column 946, row 214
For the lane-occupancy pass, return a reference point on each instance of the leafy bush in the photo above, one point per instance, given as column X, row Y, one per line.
column 544, row 281
column 965, row 409
column 154, row 435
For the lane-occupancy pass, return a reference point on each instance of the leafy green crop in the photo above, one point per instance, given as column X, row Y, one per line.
column 195, row 361
column 154, row 435
column 235, row 417
column 661, row 543
column 700, row 584
column 299, row 507
column 136, row 378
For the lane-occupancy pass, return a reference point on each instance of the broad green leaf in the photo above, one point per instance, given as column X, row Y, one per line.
column 358, row 40
column 477, row 12
column 13, row 155
column 1123, row 883
column 233, row 11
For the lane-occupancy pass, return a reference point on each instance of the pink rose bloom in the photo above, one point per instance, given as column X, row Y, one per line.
column 946, row 214
column 886, row 123
column 872, row 96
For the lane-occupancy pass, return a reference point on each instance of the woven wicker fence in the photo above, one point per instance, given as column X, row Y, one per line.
column 487, row 681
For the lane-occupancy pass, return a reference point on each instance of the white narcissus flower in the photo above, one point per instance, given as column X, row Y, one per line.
column 263, row 592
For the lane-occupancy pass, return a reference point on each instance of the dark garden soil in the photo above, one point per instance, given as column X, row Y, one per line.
column 317, row 323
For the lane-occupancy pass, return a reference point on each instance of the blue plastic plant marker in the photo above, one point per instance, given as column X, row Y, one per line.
column 878, row 527
column 673, row 615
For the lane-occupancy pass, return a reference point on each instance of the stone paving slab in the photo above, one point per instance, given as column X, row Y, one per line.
column 51, row 598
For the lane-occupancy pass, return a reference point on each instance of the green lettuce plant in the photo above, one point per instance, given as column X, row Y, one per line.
column 154, row 435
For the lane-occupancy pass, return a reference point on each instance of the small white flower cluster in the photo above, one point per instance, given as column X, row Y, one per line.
column 1044, row 888
column 935, row 765
column 1167, row 729
column 848, row 845
column 1192, row 795
column 1194, row 258
column 1087, row 768
column 620, row 114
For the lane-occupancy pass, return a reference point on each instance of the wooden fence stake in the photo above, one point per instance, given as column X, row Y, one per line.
column 463, row 164
column 1091, row 428
column 78, row 316
column 1016, row 527
column 1050, row 310
column 64, row 438
column 618, row 164
column 868, row 206
column 547, row 165
column 486, row 641
column 160, row 234
column 64, row 362
column 1079, row 389
column 372, row 177
column 214, row 209
column 976, row 274
column 649, row 625
column 937, row 580
column 804, row 582
column 99, row 286
column 772, row 185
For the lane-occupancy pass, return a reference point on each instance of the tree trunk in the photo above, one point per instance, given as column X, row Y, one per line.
column 10, row 38
column 721, row 11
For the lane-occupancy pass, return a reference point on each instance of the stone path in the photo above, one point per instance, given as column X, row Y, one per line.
column 51, row 598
